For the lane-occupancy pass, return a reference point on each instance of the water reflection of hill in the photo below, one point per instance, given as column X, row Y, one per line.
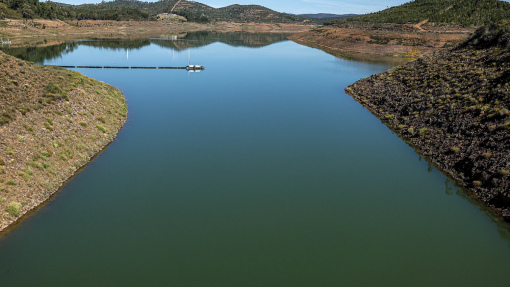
column 39, row 54
column 237, row 39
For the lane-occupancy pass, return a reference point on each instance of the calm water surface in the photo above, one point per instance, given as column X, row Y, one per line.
column 259, row 171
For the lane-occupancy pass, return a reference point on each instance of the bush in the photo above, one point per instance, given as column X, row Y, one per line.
column 13, row 208
column 101, row 128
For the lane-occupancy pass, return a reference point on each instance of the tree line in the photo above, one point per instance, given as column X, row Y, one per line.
column 459, row 12
column 31, row 9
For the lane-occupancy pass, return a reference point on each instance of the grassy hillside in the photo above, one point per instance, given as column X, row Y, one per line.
column 52, row 121
column 455, row 107
column 460, row 12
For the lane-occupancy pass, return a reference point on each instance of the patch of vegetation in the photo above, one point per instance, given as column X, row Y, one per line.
column 101, row 128
column 14, row 208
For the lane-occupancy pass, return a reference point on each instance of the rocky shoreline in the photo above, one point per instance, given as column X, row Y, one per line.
column 454, row 106
column 53, row 122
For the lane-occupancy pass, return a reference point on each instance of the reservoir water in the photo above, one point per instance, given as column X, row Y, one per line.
column 258, row 171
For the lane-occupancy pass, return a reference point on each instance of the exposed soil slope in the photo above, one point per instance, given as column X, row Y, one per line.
column 382, row 39
column 454, row 106
column 52, row 121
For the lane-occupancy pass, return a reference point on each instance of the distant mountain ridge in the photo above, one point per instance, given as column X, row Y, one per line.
column 459, row 12
column 326, row 15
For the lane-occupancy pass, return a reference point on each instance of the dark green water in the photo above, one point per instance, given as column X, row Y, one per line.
column 259, row 171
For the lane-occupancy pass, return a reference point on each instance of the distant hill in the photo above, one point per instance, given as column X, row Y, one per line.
column 198, row 12
column 326, row 15
column 143, row 11
column 460, row 12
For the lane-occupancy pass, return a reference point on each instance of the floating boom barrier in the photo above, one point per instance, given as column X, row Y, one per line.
column 190, row 67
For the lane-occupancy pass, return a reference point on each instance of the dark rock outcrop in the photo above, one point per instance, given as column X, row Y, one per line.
column 454, row 106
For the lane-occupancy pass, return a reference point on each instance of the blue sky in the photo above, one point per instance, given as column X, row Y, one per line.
column 299, row 6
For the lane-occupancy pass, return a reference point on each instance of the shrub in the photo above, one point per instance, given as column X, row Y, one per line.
column 83, row 124
column 48, row 126
column 2, row 161
column 13, row 208
column 10, row 182
column 52, row 88
column 101, row 128
column 455, row 149
column 504, row 172
column 46, row 153
column 37, row 165
column 487, row 154
column 477, row 183
column 423, row 131
column 410, row 130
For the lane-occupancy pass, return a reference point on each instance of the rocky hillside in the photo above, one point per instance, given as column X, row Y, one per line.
column 454, row 106
column 458, row 12
column 52, row 122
